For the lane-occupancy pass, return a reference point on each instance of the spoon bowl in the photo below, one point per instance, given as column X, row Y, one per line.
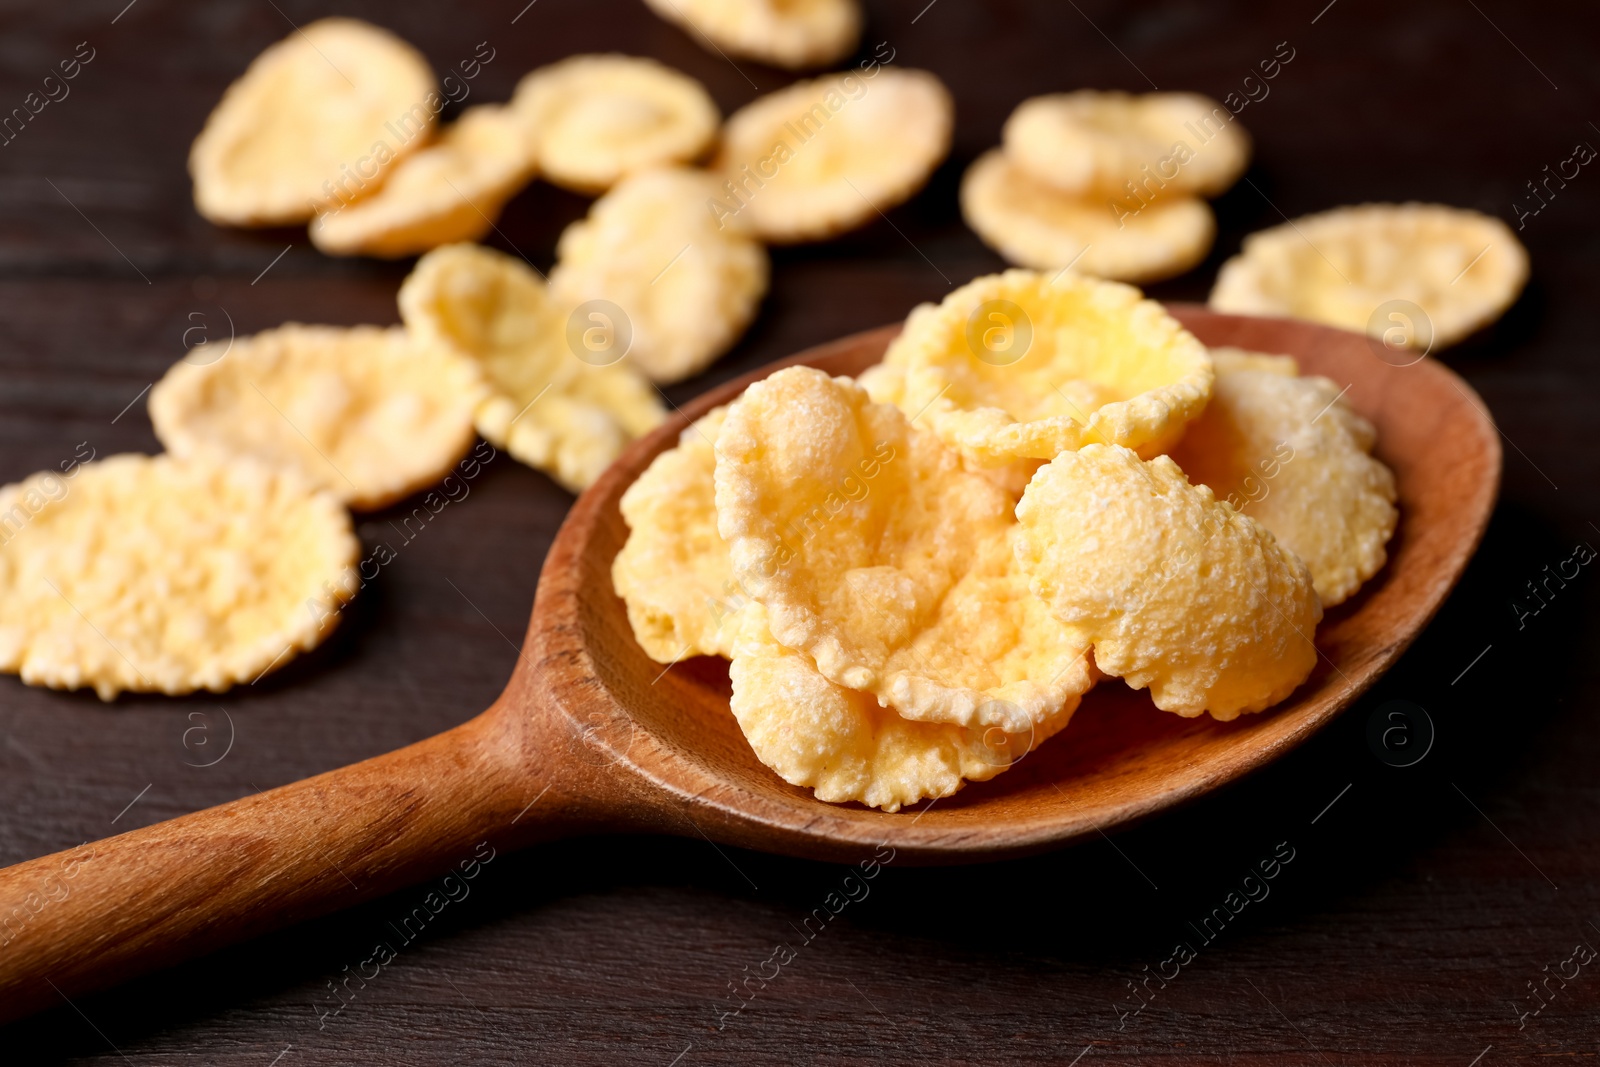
column 591, row 736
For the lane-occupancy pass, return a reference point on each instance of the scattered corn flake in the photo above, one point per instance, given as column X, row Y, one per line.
column 453, row 190
column 1417, row 275
column 308, row 120
column 367, row 414
column 551, row 409
column 594, row 118
column 155, row 574
column 650, row 246
column 1023, row 365
column 1126, row 145
column 822, row 157
column 1034, row 225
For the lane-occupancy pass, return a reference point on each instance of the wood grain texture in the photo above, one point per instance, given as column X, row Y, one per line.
column 1419, row 905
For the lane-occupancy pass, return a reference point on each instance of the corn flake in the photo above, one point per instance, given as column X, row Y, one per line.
column 1023, row 365
column 845, row 746
column 309, row 121
column 453, row 190
column 1288, row 452
column 1034, row 225
column 673, row 572
column 160, row 575
column 1126, row 145
column 1417, row 275
column 649, row 246
column 1177, row 591
column 366, row 414
column 822, row 157
column 567, row 416
column 594, row 118
column 785, row 33
column 879, row 557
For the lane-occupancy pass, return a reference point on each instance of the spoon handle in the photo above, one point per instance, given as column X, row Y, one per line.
column 91, row 916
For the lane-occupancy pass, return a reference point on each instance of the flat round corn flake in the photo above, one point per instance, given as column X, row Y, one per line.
column 649, row 246
column 822, row 157
column 1036, row 226
column 318, row 118
column 453, row 190
column 153, row 574
column 593, row 118
column 367, row 414
column 1418, row 275
column 878, row 556
column 1137, row 147
column 1290, row 454
column 567, row 416
column 673, row 572
column 1176, row 590
column 842, row 744
column 795, row 34
column 1023, row 365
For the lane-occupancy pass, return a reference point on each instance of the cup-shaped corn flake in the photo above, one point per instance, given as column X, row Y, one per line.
column 1024, row 365
column 651, row 247
column 1035, row 225
column 318, row 119
column 1413, row 276
column 593, row 118
column 822, row 157
column 451, row 191
column 1289, row 453
column 673, row 571
column 876, row 554
column 842, row 744
column 561, row 395
column 160, row 575
column 367, row 414
column 796, row 34
column 1125, row 145
column 1177, row 591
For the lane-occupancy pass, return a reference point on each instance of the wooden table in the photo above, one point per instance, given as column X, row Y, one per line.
column 1420, row 902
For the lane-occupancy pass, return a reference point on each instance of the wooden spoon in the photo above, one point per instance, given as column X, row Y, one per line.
column 590, row 736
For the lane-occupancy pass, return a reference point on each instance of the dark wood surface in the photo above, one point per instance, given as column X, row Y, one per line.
column 1416, row 909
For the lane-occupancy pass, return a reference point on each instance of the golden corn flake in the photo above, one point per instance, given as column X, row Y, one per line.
column 594, row 118
column 650, row 247
column 453, row 190
column 1290, row 454
column 551, row 409
column 367, row 414
column 879, row 557
column 313, row 120
column 845, row 746
column 1034, row 225
column 784, row 33
column 1418, row 275
column 673, row 572
column 1135, row 147
column 160, row 575
column 822, row 157
column 1024, row 365
column 1176, row 590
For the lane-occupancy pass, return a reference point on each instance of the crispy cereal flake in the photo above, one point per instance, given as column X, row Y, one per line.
column 158, row 575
